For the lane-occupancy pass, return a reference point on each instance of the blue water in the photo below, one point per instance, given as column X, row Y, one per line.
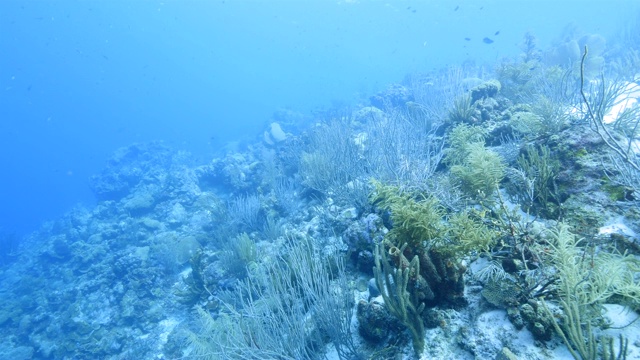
column 79, row 79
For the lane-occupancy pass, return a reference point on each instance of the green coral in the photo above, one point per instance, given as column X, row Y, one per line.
column 542, row 168
column 526, row 123
column 462, row 110
column 459, row 139
column 317, row 171
column 414, row 220
column 418, row 262
column 517, row 77
column 476, row 169
column 467, row 233
column 401, row 296
column 553, row 114
column 238, row 255
column 586, row 279
column 421, row 222
column 480, row 172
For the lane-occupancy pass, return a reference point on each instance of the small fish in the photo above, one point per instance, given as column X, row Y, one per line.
column 413, row 11
column 497, row 33
column 467, row 39
column 457, row 7
column 487, row 41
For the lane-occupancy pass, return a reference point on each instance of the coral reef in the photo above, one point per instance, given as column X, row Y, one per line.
column 461, row 215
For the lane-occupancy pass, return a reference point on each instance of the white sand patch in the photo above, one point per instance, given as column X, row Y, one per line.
column 626, row 100
column 495, row 331
column 167, row 326
column 624, row 321
column 617, row 226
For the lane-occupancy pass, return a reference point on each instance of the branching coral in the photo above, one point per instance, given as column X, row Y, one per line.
column 398, row 292
column 481, row 171
column 418, row 262
column 586, row 279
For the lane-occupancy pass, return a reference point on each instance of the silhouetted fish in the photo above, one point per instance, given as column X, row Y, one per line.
column 497, row 33
column 467, row 39
column 487, row 41
column 457, row 7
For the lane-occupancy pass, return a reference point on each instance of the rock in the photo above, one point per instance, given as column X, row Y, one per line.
column 139, row 202
column 488, row 89
column 373, row 320
column 373, row 288
column 506, row 354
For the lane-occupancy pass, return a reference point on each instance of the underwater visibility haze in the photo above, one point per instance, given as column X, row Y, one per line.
column 319, row 179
